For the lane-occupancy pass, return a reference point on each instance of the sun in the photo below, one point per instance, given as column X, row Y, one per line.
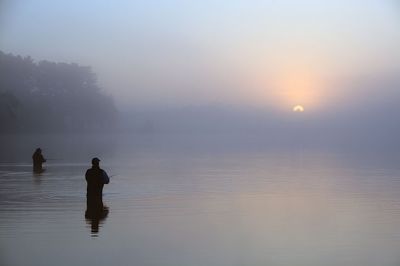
column 298, row 109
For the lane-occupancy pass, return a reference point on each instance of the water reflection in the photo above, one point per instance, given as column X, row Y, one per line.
column 236, row 209
column 95, row 215
column 37, row 177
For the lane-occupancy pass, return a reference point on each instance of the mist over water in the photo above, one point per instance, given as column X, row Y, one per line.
column 181, row 203
column 190, row 108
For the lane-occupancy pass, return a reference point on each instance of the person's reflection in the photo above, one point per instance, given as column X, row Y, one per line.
column 37, row 178
column 95, row 214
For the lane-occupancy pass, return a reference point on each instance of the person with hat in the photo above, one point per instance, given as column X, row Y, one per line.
column 96, row 178
column 38, row 160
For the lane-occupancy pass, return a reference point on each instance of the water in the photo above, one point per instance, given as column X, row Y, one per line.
column 203, row 206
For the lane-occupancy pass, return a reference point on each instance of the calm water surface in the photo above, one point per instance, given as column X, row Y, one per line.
column 201, row 208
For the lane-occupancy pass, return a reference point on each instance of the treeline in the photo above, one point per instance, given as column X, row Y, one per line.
column 48, row 97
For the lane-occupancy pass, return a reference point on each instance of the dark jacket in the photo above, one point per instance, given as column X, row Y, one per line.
column 96, row 178
column 38, row 160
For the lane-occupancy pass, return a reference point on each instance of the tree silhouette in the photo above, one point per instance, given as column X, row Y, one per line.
column 51, row 97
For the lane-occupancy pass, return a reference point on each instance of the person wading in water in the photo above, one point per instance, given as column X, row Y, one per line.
column 96, row 178
column 38, row 160
column 95, row 209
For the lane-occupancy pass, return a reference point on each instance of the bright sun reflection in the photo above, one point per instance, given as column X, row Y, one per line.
column 298, row 108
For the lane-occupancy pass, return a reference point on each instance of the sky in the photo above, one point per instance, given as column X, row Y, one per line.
column 323, row 55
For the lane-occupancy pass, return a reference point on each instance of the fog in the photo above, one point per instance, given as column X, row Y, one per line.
column 203, row 69
column 206, row 132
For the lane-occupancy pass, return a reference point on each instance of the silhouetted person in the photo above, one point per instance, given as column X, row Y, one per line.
column 38, row 160
column 95, row 213
column 95, row 178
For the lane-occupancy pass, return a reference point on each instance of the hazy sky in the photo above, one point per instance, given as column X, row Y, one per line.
column 271, row 54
